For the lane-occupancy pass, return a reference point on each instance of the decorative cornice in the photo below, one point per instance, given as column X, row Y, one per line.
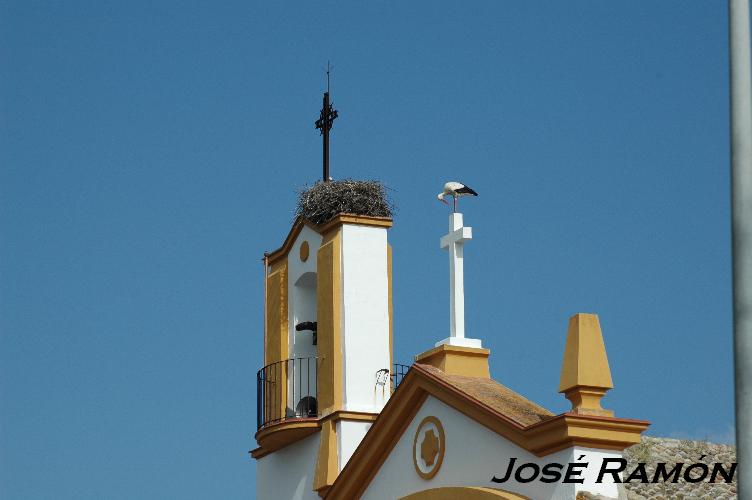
column 276, row 436
column 282, row 251
column 572, row 429
column 542, row 438
column 360, row 220
column 297, row 226
column 353, row 416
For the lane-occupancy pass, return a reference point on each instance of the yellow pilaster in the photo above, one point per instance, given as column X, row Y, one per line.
column 276, row 312
column 327, row 467
column 276, row 338
column 329, row 313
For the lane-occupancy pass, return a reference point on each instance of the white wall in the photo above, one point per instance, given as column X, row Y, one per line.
column 365, row 316
column 595, row 458
column 288, row 473
column 349, row 436
column 474, row 454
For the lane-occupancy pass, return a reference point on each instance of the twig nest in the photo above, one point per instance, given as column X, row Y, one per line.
column 324, row 200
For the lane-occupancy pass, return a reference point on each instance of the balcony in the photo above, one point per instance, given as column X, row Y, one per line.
column 287, row 390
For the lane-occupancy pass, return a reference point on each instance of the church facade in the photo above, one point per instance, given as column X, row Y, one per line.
column 338, row 420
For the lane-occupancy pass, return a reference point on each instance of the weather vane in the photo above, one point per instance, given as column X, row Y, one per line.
column 324, row 123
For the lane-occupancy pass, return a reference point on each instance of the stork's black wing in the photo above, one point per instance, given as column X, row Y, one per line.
column 466, row 190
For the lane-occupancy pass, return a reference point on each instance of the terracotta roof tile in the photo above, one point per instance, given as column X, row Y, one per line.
column 496, row 396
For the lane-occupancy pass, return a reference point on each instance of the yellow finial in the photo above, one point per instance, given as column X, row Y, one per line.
column 585, row 375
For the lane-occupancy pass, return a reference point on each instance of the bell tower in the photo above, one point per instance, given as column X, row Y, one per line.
column 327, row 333
column 327, row 350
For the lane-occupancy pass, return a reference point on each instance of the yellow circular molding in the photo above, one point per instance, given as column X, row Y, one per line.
column 428, row 447
column 304, row 251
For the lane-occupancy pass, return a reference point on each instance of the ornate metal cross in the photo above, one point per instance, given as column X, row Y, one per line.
column 324, row 123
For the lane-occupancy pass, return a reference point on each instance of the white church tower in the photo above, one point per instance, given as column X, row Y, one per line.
column 327, row 352
column 330, row 423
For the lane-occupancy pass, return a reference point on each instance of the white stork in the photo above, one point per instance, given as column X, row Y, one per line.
column 455, row 190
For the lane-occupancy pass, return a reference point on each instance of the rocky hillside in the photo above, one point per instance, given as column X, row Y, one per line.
column 653, row 450
column 671, row 451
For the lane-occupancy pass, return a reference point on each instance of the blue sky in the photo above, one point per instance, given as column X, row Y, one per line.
column 151, row 152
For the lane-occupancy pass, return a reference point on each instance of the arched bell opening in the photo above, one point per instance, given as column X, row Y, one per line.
column 303, row 349
column 303, row 337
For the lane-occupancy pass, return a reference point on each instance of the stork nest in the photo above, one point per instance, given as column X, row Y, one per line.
column 323, row 201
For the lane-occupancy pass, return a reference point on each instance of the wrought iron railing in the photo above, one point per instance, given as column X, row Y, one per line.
column 398, row 373
column 286, row 390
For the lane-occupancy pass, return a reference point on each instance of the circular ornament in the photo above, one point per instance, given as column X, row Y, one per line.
column 428, row 447
column 304, row 251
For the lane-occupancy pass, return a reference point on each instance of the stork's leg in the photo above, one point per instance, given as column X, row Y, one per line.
column 455, row 203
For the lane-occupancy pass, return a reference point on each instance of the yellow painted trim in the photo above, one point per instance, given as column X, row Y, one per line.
column 587, row 400
column 442, row 447
column 464, row 493
column 543, row 438
column 456, row 360
column 327, row 466
column 470, row 351
column 276, row 348
column 288, row 431
column 277, row 322
column 282, row 251
column 570, row 429
column 356, row 416
column 329, row 314
column 362, row 220
column 378, row 442
column 277, row 436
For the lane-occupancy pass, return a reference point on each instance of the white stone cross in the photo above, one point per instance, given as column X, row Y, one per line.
column 454, row 241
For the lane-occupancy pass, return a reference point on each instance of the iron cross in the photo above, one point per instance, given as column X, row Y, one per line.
column 324, row 123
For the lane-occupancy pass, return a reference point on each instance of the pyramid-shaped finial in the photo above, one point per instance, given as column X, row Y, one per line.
column 585, row 375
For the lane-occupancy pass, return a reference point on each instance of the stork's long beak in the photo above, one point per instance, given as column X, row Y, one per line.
column 442, row 200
